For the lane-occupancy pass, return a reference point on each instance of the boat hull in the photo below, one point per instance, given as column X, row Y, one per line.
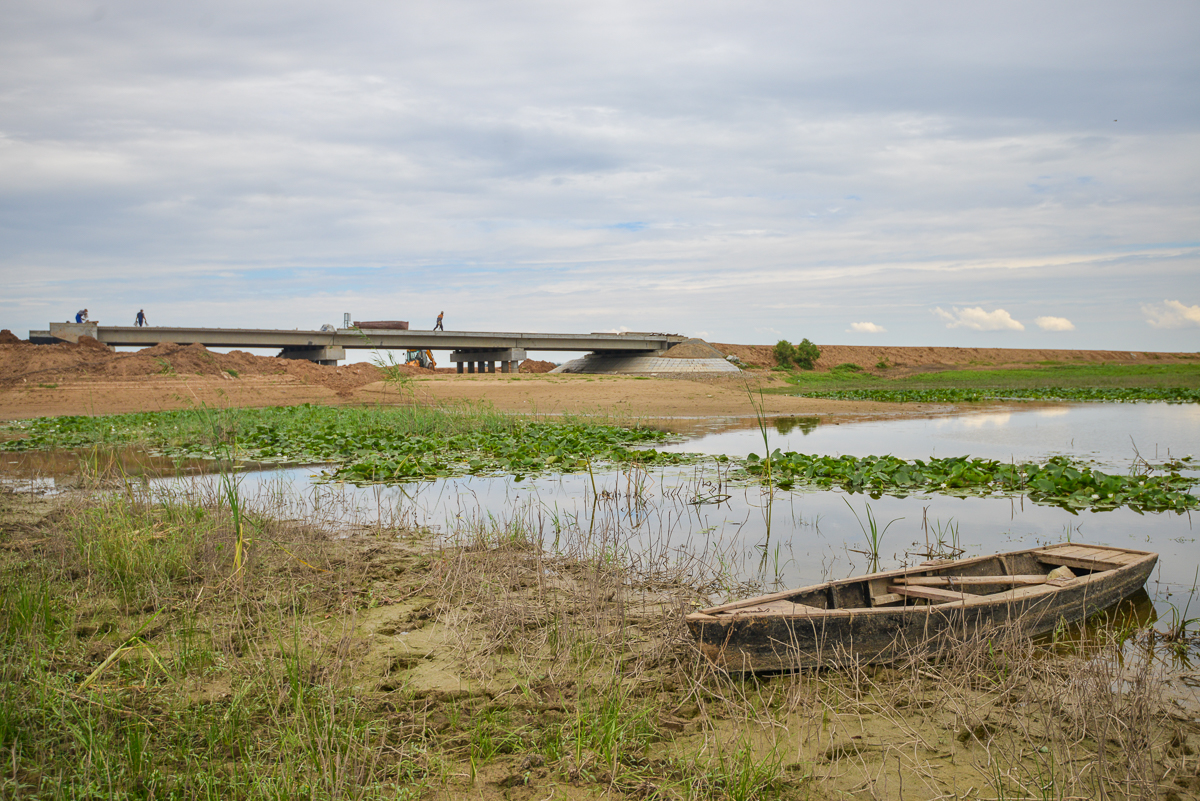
column 811, row 637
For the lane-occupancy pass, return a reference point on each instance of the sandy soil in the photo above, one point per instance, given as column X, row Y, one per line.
column 88, row 378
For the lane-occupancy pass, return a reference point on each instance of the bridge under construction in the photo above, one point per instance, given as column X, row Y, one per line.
column 472, row 351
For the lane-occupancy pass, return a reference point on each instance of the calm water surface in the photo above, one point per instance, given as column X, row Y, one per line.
column 1110, row 434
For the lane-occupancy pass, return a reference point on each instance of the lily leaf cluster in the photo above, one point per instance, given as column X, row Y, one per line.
column 1057, row 482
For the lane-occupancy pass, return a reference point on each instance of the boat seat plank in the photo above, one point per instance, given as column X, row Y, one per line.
column 1086, row 563
column 1076, row 550
column 1103, row 554
column 966, row 581
column 932, row 593
column 775, row 608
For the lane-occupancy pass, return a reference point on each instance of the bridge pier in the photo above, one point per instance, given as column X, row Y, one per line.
column 319, row 354
column 484, row 361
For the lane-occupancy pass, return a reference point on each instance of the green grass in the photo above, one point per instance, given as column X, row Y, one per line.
column 1178, row 383
column 125, row 547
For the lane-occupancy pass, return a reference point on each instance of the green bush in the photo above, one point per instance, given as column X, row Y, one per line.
column 804, row 355
column 784, row 352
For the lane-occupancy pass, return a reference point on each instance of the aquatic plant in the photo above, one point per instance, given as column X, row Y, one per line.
column 873, row 535
column 364, row 445
column 1057, row 482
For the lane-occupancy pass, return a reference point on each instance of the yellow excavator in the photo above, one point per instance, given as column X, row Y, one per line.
column 421, row 358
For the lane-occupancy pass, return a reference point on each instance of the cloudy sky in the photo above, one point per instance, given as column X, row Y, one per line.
column 1015, row 174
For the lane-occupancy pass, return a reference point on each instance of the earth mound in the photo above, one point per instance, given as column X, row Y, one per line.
column 22, row 362
column 693, row 349
column 534, row 366
column 9, row 338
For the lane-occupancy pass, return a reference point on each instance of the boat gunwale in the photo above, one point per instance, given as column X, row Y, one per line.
column 723, row 613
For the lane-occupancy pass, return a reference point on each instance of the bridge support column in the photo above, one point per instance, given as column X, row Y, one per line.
column 460, row 368
column 484, row 361
column 321, row 355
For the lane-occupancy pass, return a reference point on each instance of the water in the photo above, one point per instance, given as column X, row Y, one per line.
column 766, row 540
column 1110, row 434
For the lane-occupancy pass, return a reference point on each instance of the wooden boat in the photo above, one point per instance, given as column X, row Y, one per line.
column 881, row 616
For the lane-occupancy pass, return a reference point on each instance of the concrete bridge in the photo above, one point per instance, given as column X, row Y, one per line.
column 472, row 350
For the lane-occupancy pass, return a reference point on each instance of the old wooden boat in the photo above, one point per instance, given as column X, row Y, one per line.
column 883, row 616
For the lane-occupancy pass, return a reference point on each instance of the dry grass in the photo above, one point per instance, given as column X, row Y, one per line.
column 515, row 658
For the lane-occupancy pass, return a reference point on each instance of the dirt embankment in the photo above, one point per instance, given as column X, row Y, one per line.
column 894, row 361
column 24, row 363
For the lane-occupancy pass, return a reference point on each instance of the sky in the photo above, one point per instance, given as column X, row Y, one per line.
column 1015, row 174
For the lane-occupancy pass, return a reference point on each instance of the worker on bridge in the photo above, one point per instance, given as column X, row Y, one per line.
column 81, row 316
column 141, row 318
column 438, row 327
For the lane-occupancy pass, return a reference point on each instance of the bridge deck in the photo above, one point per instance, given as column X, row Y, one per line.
column 355, row 338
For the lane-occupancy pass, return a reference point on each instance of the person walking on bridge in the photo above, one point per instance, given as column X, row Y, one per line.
column 141, row 318
column 438, row 327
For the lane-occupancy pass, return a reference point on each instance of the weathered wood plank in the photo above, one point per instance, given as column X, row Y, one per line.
column 1072, row 561
column 932, row 593
column 942, row 581
column 776, row 608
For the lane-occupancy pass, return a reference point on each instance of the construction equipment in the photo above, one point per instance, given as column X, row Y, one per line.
column 421, row 358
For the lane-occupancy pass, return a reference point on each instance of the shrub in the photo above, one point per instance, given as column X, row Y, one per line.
column 804, row 355
column 807, row 354
column 785, row 352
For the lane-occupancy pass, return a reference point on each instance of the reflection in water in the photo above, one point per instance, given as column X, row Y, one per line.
column 805, row 425
column 993, row 419
column 1117, row 623
column 124, row 460
column 1110, row 434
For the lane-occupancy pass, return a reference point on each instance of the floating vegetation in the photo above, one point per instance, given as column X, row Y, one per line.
column 962, row 395
column 363, row 445
column 1058, row 482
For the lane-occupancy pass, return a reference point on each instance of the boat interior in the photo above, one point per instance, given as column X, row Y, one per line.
column 1015, row 574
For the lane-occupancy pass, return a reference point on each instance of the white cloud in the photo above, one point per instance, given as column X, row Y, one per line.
column 1055, row 324
column 979, row 320
column 1171, row 314
column 865, row 328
